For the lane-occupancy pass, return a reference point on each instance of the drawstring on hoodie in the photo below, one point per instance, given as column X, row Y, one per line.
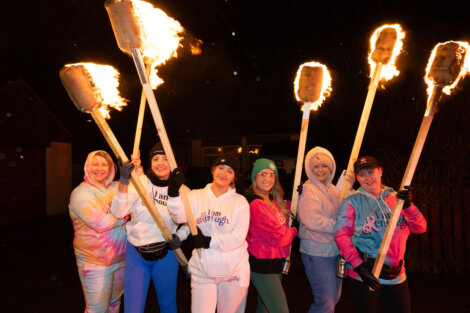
column 378, row 203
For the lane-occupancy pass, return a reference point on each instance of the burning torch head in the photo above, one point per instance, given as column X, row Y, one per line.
column 125, row 27
column 384, row 45
column 310, row 83
column 447, row 64
column 76, row 80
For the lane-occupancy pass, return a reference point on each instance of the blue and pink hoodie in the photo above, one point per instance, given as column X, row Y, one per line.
column 361, row 225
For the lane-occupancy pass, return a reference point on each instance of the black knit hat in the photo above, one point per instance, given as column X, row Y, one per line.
column 365, row 161
column 156, row 149
column 229, row 159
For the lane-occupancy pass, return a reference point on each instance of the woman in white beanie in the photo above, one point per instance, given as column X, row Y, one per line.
column 318, row 211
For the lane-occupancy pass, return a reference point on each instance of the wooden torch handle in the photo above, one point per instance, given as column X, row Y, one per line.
column 140, row 117
column 410, row 169
column 362, row 127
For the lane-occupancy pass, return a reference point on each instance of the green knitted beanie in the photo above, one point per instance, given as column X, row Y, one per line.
column 262, row 164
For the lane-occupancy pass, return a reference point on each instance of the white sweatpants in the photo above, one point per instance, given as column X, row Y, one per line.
column 227, row 294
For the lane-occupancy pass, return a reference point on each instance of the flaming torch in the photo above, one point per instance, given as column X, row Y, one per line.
column 447, row 64
column 138, row 25
column 312, row 85
column 93, row 88
column 386, row 44
column 141, row 30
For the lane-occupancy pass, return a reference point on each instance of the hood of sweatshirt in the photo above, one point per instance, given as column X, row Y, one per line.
column 308, row 170
column 87, row 177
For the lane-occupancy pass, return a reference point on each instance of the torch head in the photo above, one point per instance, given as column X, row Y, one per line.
column 310, row 83
column 384, row 45
column 79, row 86
column 447, row 64
column 126, row 28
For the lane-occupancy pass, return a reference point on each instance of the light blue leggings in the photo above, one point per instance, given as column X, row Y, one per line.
column 137, row 275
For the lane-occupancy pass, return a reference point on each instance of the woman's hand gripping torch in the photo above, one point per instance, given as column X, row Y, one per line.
column 85, row 88
column 130, row 26
column 386, row 44
column 312, row 85
column 447, row 64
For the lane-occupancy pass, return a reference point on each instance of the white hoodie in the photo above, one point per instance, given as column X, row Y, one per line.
column 226, row 219
column 318, row 210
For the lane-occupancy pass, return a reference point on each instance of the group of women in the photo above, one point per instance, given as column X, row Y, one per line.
column 239, row 239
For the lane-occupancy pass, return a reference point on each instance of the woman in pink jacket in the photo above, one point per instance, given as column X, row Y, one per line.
column 269, row 236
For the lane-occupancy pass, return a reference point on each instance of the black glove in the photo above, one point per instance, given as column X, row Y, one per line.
column 405, row 195
column 295, row 222
column 174, row 182
column 300, row 187
column 174, row 243
column 199, row 241
column 125, row 170
column 369, row 280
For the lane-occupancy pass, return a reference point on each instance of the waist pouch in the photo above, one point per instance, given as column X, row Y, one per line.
column 154, row 251
column 265, row 266
column 388, row 272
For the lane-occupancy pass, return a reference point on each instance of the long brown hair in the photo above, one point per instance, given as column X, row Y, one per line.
column 276, row 192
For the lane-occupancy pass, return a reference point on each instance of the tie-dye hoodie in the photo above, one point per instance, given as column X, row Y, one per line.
column 100, row 238
column 362, row 222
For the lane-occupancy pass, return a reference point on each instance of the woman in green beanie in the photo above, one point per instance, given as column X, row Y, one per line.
column 269, row 236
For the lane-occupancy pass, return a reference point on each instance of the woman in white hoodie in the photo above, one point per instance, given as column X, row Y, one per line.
column 318, row 211
column 220, row 274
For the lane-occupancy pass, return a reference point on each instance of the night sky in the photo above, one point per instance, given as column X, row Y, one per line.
column 263, row 42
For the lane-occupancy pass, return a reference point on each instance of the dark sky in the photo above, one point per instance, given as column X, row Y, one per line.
column 263, row 41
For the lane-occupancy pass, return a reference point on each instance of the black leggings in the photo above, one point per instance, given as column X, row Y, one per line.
column 396, row 298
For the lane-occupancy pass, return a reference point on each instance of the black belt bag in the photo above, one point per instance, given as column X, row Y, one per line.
column 388, row 272
column 154, row 251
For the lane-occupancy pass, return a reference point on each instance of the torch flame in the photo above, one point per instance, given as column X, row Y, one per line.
column 463, row 71
column 105, row 82
column 161, row 36
column 388, row 70
column 326, row 84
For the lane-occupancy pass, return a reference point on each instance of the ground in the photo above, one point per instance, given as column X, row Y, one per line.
column 38, row 268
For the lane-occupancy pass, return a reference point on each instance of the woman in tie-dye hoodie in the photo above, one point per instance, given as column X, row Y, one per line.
column 100, row 238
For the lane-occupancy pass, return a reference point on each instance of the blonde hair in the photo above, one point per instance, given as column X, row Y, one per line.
column 277, row 194
column 106, row 156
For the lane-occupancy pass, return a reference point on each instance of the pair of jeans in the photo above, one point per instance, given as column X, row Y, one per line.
column 326, row 286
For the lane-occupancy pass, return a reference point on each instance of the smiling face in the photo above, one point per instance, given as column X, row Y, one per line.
column 99, row 169
column 370, row 179
column 265, row 180
column 320, row 165
column 322, row 172
column 223, row 176
column 161, row 166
